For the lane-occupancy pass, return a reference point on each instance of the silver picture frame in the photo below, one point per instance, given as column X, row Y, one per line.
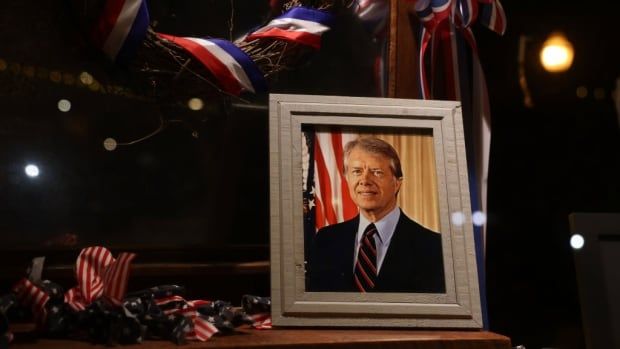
column 292, row 305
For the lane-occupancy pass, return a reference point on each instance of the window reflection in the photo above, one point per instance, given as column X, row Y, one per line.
column 201, row 180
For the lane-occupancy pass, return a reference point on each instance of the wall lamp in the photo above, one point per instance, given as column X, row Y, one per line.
column 557, row 53
column 556, row 56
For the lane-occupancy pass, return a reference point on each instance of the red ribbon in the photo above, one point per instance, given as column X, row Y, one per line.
column 101, row 276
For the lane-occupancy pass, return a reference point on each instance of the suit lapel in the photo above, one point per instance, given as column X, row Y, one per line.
column 349, row 243
column 395, row 258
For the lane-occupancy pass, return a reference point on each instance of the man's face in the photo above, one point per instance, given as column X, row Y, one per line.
column 372, row 185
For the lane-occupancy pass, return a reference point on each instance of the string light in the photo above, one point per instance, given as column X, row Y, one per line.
column 110, row 144
column 86, row 78
column 64, row 105
column 582, row 92
column 83, row 79
column 195, row 104
column 599, row 93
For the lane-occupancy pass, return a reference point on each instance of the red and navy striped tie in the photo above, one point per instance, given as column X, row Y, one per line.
column 366, row 265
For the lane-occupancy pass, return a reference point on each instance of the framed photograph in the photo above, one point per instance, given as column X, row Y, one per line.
column 370, row 214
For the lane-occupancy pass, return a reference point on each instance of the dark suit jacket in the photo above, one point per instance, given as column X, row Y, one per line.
column 413, row 262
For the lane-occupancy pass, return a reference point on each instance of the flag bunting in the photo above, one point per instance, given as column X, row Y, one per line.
column 300, row 25
column 121, row 28
column 233, row 69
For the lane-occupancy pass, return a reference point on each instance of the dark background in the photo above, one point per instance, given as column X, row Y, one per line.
column 174, row 189
column 558, row 157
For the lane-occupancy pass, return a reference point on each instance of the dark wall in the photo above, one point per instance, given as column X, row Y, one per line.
column 560, row 156
column 195, row 192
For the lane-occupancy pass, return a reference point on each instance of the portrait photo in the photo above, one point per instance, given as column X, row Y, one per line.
column 355, row 177
column 362, row 195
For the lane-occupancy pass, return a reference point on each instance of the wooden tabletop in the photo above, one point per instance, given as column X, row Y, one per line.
column 310, row 338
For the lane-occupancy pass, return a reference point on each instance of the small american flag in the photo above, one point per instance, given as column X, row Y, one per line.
column 332, row 202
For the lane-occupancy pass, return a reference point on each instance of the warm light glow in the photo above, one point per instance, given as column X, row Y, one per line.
column 110, row 144
column 557, row 53
column 31, row 170
column 86, row 78
column 29, row 71
column 94, row 86
column 195, row 104
column 599, row 93
column 56, row 76
column 64, row 105
column 582, row 92
column 577, row 241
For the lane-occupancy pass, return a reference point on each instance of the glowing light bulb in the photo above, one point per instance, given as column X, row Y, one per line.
column 86, row 78
column 577, row 241
column 64, row 105
column 31, row 170
column 110, row 144
column 195, row 104
column 557, row 53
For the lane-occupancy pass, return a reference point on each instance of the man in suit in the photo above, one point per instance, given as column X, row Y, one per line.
column 381, row 249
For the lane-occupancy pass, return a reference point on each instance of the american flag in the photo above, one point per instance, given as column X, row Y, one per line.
column 31, row 295
column 327, row 191
column 99, row 274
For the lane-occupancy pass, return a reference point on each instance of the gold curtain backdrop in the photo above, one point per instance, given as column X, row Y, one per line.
column 418, row 196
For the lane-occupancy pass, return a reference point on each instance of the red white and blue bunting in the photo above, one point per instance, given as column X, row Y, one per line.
column 121, row 28
column 446, row 33
column 234, row 71
column 300, row 25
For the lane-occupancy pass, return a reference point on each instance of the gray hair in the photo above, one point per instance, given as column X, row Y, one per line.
column 375, row 146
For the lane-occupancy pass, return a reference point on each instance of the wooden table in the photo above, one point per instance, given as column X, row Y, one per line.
column 311, row 338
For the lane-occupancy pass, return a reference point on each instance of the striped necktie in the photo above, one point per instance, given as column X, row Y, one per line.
column 366, row 265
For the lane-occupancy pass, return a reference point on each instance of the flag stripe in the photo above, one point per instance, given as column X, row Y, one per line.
column 309, row 14
column 332, row 199
column 106, row 23
column 300, row 37
column 231, row 67
column 203, row 53
column 300, row 24
column 121, row 28
column 349, row 209
column 241, row 65
column 117, row 276
column 324, row 182
column 136, row 35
